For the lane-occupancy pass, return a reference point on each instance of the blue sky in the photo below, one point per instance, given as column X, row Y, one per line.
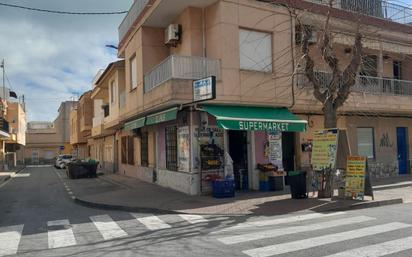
column 51, row 58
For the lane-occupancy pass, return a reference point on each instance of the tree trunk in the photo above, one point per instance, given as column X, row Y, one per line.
column 330, row 115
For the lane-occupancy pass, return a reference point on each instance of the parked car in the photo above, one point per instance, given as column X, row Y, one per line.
column 62, row 161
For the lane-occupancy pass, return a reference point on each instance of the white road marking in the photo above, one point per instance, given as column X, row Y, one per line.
column 292, row 230
column 378, row 250
column 61, row 237
column 107, row 227
column 10, row 239
column 277, row 249
column 153, row 223
column 20, row 175
column 193, row 219
column 278, row 221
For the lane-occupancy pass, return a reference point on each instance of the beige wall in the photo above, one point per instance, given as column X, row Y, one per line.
column 16, row 116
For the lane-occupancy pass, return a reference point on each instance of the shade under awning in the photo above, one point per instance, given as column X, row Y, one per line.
column 135, row 124
column 255, row 118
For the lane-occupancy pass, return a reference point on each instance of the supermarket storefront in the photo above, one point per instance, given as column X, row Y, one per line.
column 255, row 136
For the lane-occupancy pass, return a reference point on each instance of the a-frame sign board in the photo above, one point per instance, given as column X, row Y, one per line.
column 329, row 151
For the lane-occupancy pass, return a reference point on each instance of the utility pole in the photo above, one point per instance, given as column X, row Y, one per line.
column 4, row 81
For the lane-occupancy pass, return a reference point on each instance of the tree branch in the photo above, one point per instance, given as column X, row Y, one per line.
column 351, row 71
column 309, row 64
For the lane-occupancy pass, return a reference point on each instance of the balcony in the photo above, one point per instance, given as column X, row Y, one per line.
column 376, row 8
column 365, row 84
column 134, row 13
column 181, row 67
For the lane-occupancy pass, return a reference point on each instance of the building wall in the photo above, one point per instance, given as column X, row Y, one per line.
column 49, row 139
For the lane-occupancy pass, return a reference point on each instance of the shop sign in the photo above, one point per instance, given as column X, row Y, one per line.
column 355, row 177
column 183, row 146
column 261, row 125
column 204, row 89
column 275, row 149
column 324, row 149
column 161, row 116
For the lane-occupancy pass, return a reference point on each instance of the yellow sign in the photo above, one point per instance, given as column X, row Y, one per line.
column 324, row 149
column 355, row 177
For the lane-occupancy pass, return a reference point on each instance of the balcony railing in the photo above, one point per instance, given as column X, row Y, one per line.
column 376, row 8
column 131, row 16
column 365, row 84
column 181, row 67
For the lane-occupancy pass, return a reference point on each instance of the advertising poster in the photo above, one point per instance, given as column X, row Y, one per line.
column 324, row 149
column 210, row 142
column 355, row 177
column 275, row 148
column 183, row 148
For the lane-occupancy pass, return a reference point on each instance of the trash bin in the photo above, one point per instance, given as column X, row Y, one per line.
column 223, row 188
column 297, row 183
column 82, row 170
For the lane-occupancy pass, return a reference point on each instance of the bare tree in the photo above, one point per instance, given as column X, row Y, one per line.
column 334, row 94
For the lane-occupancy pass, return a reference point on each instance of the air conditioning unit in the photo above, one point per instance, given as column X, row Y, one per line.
column 172, row 34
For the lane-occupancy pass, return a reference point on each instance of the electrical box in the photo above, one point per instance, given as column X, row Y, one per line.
column 173, row 34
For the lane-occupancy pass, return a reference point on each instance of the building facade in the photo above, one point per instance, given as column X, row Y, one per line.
column 81, row 117
column 46, row 140
column 152, row 129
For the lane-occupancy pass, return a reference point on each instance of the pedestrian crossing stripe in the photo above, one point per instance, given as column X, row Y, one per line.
column 107, row 227
column 279, row 221
column 278, row 249
column 62, row 236
column 193, row 219
column 153, row 223
column 377, row 250
column 292, row 230
column 10, row 239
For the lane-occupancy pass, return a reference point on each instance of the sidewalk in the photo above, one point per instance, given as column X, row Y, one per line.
column 4, row 176
column 129, row 194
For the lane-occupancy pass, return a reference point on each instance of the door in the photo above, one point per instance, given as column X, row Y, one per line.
column 288, row 152
column 238, row 153
column 402, row 143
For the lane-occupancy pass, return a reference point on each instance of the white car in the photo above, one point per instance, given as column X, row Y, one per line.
column 63, row 160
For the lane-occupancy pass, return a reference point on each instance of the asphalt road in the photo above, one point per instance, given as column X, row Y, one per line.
column 38, row 218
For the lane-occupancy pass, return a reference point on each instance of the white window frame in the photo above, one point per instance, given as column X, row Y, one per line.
column 370, row 152
column 133, row 72
column 255, row 50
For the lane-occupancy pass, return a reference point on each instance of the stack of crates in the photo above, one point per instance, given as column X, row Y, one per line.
column 223, row 188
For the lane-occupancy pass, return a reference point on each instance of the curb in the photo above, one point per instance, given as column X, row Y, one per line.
column 8, row 177
column 122, row 208
column 366, row 205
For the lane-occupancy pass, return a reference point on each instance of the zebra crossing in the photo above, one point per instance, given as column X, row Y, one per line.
column 256, row 238
column 61, row 233
column 361, row 227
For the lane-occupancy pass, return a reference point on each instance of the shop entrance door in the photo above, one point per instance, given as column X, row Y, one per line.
column 288, row 152
column 238, row 153
column 401, row 134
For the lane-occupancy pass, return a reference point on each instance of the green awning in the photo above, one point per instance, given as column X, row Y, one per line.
column 255, row 118
column 163, row 116
column 135, row 124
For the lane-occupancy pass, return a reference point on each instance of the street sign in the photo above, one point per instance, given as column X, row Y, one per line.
column 204, row 89
column 355, row 177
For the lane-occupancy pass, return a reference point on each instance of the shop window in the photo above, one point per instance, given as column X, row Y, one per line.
column 366, row 145
column 130, row 150
column 144, row 149
column 124, row 150
column 171, row 148
column 255, row 49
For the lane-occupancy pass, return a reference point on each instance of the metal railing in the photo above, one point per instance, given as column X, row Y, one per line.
column 181, row 67
column 131, row 17
column 365, row 84
column 376, row 8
